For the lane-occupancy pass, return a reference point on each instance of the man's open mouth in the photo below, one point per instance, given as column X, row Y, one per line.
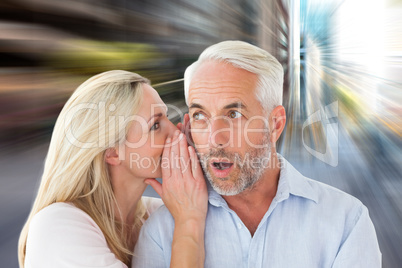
column 222, row 165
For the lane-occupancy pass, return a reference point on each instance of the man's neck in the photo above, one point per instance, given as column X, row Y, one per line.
column 252, row 204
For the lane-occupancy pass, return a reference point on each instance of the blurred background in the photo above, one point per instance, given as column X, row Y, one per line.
column 342, row 90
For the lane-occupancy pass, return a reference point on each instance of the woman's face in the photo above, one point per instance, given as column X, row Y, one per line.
column 146, row 136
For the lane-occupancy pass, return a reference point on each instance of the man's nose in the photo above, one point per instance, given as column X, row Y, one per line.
column 220, row 132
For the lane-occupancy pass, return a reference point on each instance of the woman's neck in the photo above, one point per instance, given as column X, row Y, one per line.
column 127, row 191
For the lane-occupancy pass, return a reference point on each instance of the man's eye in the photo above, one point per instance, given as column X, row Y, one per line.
column 234, row 114
column 155, row 126
column 198, row 116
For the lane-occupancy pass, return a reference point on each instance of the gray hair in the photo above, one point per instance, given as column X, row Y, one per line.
column 250, row 58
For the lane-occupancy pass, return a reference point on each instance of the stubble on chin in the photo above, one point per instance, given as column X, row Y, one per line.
column 244, row 176
column 224, row 186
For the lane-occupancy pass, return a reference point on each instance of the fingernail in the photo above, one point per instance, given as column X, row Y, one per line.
column 181, row 136
column 168, row 140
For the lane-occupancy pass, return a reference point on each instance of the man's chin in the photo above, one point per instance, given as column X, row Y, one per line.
column 224, row 186
column 226, row 192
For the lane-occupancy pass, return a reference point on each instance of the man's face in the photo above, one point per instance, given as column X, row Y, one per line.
column 229, row 127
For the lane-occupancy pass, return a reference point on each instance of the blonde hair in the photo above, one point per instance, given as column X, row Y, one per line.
column 80, row 175
column 250, row 58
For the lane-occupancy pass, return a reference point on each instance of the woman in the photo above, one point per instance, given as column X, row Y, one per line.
column 107, row 145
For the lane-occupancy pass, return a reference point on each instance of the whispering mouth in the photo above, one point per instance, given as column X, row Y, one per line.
column 222, row 165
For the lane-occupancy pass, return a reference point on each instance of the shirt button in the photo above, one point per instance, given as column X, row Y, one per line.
column 239, row 225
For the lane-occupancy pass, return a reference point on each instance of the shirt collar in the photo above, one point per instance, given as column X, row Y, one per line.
column 290, row 182
column 214, row 198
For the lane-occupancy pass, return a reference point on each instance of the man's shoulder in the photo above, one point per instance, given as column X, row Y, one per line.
column 328, row 193
column 160, row 219
column 334, row 203
column 151, row 203
column 321, row 193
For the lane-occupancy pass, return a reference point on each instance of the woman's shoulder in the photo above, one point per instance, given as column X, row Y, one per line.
column 62, row 218
column 151, row 203
column 62, row 234
column 60, row 212
column 58, row 208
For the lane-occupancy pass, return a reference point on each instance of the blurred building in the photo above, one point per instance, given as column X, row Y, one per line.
column 49, row 47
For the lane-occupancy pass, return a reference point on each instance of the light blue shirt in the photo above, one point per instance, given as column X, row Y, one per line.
column 308, row 224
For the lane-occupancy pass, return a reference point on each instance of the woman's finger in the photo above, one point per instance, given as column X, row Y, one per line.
column 185, row 163
column 187, row 129
column 175, row 156
column 180, row 127
column 186, row 119
column 165, row 162
column 195, row 164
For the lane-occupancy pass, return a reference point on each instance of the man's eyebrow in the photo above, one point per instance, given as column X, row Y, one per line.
column 196, row 105
column 237, row 104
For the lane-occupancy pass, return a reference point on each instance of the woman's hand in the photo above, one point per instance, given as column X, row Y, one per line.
column 184, row 192
column 183, row 188
column 185, row 128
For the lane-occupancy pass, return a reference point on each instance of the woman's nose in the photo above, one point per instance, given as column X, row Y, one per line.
column 171, row 129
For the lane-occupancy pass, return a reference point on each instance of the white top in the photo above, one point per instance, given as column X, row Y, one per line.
column 62, row 235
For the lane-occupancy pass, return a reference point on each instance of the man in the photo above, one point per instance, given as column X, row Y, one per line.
column 262, row 212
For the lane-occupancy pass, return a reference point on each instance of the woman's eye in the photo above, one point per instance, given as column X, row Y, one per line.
column 155, row 126
column 198, row 116
column 234, row 114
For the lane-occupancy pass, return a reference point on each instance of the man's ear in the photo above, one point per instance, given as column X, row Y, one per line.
column 278, row 121
column 112, row 157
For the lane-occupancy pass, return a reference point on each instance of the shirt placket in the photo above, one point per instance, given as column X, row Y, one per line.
column 244, row 237
column 256, row 253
